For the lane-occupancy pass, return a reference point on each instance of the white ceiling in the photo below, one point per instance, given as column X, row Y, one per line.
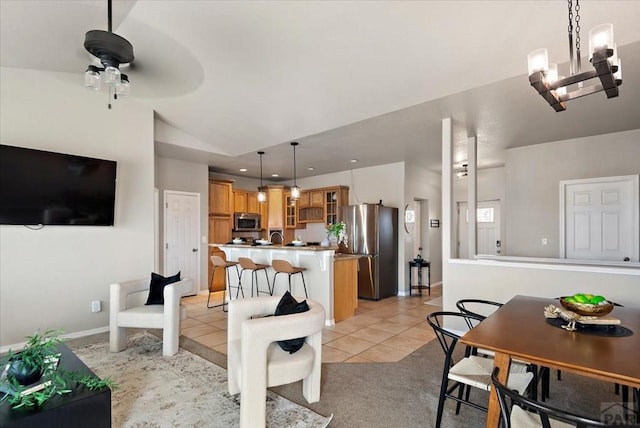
column 347, row 79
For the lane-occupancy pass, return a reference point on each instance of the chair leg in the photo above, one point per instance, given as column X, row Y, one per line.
column 239, row 284
column 305, row 285
column 213, row 274
column 461, row 390
column 268, row 285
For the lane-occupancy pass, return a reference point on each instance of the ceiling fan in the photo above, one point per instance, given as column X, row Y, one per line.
column 112, row 51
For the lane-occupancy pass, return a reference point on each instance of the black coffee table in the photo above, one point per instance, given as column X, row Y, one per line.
column 80, row 408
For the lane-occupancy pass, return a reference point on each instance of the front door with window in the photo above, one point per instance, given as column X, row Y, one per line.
column 487, row 229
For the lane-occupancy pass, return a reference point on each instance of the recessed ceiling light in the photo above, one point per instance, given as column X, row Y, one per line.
column 243, row 169
column 275, row 175
column 353, row 160
column 311, row 168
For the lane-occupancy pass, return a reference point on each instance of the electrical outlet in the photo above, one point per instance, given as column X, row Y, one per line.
column 96, row 306
column 544, row 241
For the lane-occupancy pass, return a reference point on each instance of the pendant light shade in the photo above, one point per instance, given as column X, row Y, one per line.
column 262, row 196
column 295, row 190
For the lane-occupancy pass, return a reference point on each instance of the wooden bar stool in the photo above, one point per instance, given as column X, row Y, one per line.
column 219, row 262
column 283, row 266
column 250, row 265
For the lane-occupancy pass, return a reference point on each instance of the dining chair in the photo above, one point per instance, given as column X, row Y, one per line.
column 483, row 308
column 513, row 414
column 462, row 372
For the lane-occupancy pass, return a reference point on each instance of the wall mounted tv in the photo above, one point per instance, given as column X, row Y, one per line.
column 39, row 187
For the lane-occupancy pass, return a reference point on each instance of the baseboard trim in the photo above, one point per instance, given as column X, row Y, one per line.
column 74, row 335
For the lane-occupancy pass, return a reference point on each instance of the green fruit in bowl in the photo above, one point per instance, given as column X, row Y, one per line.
column 570, row 299
column 597, row 299
column 581, row 298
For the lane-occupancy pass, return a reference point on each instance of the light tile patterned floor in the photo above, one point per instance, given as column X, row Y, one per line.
column 386, row 330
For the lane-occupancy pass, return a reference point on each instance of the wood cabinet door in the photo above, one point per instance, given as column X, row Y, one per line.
column 305, row 199
column 220, row 198
column 240, row 201
column 253, row 206
column 316, row 198
column 276, row 216
column 220, row 229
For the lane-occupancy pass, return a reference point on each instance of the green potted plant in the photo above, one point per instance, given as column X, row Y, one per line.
column 31, row 376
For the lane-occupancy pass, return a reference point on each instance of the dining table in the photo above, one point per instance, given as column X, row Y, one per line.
column 519, row 330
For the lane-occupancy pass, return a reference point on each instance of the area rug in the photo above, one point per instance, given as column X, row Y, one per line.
column 180, row 391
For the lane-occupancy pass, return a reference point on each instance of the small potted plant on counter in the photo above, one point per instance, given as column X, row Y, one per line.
column 31, row 376
column 337, row 231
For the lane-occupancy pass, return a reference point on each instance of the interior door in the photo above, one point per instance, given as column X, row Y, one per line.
column 488, row 236
column 600, row 218
column 181, row 232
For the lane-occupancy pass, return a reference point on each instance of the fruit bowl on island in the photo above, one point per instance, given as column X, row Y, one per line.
column 587, row 305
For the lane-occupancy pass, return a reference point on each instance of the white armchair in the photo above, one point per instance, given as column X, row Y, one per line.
column 255, row 361
column 166, row 317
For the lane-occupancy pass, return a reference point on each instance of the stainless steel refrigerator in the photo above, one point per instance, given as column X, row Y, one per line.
column 372, row 231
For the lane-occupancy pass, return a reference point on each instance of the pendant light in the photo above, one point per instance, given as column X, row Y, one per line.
column 295, row 190
column 262, row 196
column 607, row 67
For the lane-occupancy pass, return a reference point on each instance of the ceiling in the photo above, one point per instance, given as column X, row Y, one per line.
column 349, row 80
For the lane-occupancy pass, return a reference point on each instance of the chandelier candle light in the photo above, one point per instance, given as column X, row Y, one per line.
column 112, row 50
column 556, row 90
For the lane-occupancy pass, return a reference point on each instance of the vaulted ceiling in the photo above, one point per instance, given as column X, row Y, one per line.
column 347, row 79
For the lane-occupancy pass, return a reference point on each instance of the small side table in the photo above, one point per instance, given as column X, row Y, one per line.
column 420, row 285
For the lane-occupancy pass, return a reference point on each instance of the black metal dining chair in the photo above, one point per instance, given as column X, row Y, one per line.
column 483, row 308
column 459, row 372
column 513, row 413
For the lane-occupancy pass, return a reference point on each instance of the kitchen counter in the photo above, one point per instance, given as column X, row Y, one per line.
column 319, row 273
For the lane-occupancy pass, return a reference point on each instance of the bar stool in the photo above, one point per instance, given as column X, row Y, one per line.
column 283, row 266
column 219, row 262
column 248, row 264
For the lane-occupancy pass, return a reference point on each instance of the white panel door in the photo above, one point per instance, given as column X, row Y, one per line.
column 600, row 218
column 181, row 232
column 488, row 239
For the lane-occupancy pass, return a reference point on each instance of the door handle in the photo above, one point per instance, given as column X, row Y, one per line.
column 194, row 250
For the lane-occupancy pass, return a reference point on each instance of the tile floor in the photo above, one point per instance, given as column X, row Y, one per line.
column 381, row 331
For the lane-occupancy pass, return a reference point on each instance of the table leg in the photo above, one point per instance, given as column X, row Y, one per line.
column 502, row 361
column 410, row 282
column 420, row 279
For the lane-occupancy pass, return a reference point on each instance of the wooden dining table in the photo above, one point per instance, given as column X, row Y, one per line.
column 519, row 330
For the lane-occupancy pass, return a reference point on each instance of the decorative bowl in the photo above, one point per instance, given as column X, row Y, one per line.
column 587, row 309
column 263, row 241
column 297, row 243
column 238, row 241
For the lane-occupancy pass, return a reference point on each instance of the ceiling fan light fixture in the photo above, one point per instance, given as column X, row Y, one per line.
column 92, row 78
column 112, row 50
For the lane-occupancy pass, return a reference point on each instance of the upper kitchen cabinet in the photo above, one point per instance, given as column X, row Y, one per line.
column 322, row 205
column 220, row 197
column 246, row 202
column 311, row 198
column 334, row 198
column 275, row 198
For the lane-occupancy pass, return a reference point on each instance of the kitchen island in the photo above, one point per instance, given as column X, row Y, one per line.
column 319, row 274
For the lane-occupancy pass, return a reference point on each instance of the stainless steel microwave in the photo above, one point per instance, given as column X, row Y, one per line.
column 246, row 222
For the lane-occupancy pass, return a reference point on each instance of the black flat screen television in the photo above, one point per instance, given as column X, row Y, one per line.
column 39, row 187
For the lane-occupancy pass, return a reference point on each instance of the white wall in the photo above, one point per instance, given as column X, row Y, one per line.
column 171, row 174
column 532, row 177
column 422, row 184
column 49, row 277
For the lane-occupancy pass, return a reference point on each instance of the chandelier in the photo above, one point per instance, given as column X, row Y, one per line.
column 607, row 67
column 112, row 50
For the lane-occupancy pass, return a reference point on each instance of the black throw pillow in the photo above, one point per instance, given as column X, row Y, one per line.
column 156, row 288
column 288, row 305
